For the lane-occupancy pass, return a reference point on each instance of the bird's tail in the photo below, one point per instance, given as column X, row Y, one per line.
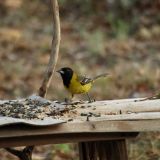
column 100, row 76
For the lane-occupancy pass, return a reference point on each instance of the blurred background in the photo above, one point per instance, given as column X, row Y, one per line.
column 121, row 37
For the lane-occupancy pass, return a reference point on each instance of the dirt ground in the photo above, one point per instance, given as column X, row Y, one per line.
column 91, row 46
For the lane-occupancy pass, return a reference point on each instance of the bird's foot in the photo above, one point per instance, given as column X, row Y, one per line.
column 78, row 102
column 68, row 101
column 71, row 102
column 91, row 100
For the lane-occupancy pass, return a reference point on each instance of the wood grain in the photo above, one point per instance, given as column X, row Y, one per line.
column 144, row 116
column 83, row 127
column 62, row 138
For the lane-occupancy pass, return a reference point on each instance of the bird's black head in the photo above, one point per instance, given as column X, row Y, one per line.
column 66, row 74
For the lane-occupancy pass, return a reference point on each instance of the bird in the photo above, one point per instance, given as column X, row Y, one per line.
column 76, row 84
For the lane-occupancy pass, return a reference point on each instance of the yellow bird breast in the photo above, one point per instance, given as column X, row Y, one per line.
column 76, row 87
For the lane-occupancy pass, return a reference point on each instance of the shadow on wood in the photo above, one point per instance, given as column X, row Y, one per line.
column 25, row 154
column 103, row 150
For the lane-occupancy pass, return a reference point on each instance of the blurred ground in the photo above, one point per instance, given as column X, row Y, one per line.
column 121, row 38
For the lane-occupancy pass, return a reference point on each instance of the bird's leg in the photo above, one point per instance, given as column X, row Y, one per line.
column 89, row 98
column 69, row 100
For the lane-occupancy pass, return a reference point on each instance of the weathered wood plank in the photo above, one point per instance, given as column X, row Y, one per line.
column 99, row 110
column 82, row 127
column 132, row 116
column 62, row 138
column 114, row 116
column 123, row 106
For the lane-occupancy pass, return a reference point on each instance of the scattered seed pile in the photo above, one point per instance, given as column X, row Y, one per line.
column 33, row 107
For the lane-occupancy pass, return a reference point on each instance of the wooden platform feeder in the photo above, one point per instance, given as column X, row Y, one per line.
column 100, row 128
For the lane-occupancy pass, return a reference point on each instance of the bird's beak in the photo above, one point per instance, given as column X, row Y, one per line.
column 60, row 71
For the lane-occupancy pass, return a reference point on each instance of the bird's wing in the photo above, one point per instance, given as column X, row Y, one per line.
column 84, row 80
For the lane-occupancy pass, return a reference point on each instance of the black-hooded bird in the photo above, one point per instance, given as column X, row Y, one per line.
column 76, row 84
